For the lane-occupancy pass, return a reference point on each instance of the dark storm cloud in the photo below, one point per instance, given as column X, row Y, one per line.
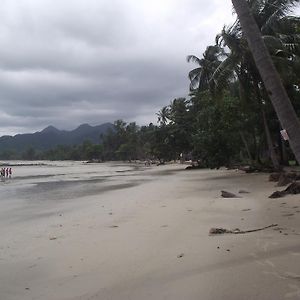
column 70, row 62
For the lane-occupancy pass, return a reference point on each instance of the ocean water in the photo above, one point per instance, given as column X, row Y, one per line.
column 59, row 180
column 39, row 189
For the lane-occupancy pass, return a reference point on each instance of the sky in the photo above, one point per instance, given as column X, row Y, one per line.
column 64, row 63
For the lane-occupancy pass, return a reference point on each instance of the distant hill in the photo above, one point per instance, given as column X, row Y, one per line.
column 51, row 137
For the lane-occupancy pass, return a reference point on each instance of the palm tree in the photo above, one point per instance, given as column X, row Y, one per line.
column 282, row 39
column 273, row 84
column 200, row 76
column 240, row 65
column 163, row 115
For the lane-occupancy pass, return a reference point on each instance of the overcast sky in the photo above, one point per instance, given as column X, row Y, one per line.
column 69, row 62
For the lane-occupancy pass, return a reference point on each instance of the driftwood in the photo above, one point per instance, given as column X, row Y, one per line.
column 214, row 231
column 293, row 188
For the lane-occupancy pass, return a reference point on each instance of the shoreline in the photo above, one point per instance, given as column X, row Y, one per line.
column 151, row 241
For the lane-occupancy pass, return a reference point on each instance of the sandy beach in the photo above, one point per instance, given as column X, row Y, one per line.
column 137, row 233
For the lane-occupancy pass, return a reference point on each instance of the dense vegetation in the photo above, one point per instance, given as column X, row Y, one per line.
column 228, row 118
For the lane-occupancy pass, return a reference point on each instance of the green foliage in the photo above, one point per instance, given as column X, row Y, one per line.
column 216, row 141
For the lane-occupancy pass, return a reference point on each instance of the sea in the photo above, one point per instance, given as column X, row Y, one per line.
column 42, row 184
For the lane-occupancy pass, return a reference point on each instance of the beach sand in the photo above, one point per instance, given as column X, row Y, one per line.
column 148, row 238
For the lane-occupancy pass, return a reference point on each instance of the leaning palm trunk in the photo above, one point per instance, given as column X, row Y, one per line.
column 271, row 149
column 279, row 98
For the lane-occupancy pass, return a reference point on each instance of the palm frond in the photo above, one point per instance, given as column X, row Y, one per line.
column 224, row 72
column 273, row 11
column 193, row 58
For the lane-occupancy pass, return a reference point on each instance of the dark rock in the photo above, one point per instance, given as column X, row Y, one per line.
column 226, row 194
column 293, row 188
column 284, row 179
column 277, row 194
column 194, row 167
column 274, row 176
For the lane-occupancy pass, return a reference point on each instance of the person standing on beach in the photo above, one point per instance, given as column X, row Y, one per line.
column 6, row 172
column 9, row 172
column 2, row 174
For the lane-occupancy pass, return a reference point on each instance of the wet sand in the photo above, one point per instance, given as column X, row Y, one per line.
column 144, row 235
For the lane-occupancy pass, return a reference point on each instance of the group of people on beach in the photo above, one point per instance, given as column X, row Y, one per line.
column 5, row 173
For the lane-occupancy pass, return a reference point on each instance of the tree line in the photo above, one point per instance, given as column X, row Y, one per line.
column 228, row 118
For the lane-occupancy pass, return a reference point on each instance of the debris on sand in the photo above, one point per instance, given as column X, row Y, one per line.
column 274, row 176
column 218, row 231
column 214, row 231
column 243, row 192
column 180, row 255
column 226, row 194
column 284, row 178
column 293, row 188
column 51, row 238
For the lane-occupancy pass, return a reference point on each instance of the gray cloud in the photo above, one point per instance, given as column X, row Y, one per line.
column 70, row 62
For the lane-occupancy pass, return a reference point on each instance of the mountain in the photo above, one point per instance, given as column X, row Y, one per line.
column 51, row 137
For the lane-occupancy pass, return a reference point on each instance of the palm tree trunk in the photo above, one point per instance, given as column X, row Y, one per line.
column 272, row 152
column 246, row 146
column 284, row 157
column 279, row 98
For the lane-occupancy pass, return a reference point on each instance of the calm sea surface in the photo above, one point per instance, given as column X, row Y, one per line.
column 67, row 180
